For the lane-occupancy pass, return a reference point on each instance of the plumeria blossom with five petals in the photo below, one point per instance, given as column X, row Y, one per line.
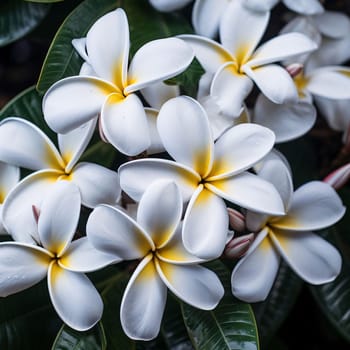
column 206, row 172
column 154, row 238
column 23, row 144
column 111, row 93
column 313, row 206
column 236, row 64
column 64, row 262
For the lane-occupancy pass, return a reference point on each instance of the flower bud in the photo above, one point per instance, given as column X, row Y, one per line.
column 238, row 246
column 339, row 177
column 236, row 220
column 294, row 69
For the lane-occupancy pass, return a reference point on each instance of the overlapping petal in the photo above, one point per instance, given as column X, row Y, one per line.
column 241, row 30
column 9, row 177
column 162, row 223
column 274, row 82
column 194, row 284
column 205, row 225
column 97, row 184
column 137, row 175
column 66, row 289
column 183, row 118
column 73, row 101
column 253, row 276
column 250, row 192
column 156, row 145
column 310, row 256
column 143, row 302
column 158, row 60
column 109, row 57
column 332, row 24
column 305, row 7
column 22, row 266
column 314, row 206
column 239, row 148
column 168, row 5
column 119, row 235
column 59, row 216
column 25, row 145
column 124, row 124
column 260, row 5
column 158, row 93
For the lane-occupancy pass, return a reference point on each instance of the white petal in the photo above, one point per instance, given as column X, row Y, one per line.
column 288, row 121
column 79, row 45
column 162, row 223
column 66, row 289
column 25, row 145
column 124, row 124
column 250, row 192
column 168, row 5
column 206, row 16
column 274, row 82
column 136, row 176
column 310, row 256
column 210, row 54
column 9, row 177
column 205, row 225
column 107, row 44
column 330, row 82
column 21, row 267
column 112, row 231
column 193, row 284
column 241, row 30
column 59, row 216
column 282, row 47
column 305, row 7
column 143, row 302
column 17, row 212
column 239, row 148
column 158, row 93
column 97, row 184
column 73, row 101
column 332, row 24
column 82, row 256
column 73, row 144
column 253, row 276
column 158, row 60
column 314, row 206
column 229, row 89
column 260, row 5
column 156, row 145
column 184, row 128
column 86, row 69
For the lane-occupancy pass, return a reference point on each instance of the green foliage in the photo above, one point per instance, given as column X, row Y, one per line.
column 18, row 18
column 231, row 325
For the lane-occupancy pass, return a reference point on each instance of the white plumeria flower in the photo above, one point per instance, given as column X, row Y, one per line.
column 23, row 144
column 9, row 177
column 73, row 296
column 155, row 238
column 111, row 92
column 206, row 173
column 311, row 207
column 236, row 63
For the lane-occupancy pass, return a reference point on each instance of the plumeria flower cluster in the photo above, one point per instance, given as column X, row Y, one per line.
column 205, row 163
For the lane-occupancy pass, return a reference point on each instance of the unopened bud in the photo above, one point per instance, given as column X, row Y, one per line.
column 236, row 220
column 294, row 69
column 339, row 177
column 238, row 246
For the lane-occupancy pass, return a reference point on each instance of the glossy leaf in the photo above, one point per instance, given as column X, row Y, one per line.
column 18, row 18
column 68, row 339
column 231, row 325
column 271, row 313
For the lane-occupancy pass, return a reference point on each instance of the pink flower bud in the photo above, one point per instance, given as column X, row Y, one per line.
column 339, row 177
column 238, row 246
column 236, row 220
column 294, row 69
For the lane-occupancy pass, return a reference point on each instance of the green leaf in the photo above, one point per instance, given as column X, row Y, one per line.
column 68, row 339
column 231, row 325
column 271, row 313
column 27, row 105
column 44, row 1
column 145, row 24
column 334, row 298
column 18, row 18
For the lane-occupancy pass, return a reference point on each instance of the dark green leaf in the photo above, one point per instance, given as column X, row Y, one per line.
column 68, row 339
column 44, row 1
column 18, row 18
column 271, row 313
column 231, row 325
